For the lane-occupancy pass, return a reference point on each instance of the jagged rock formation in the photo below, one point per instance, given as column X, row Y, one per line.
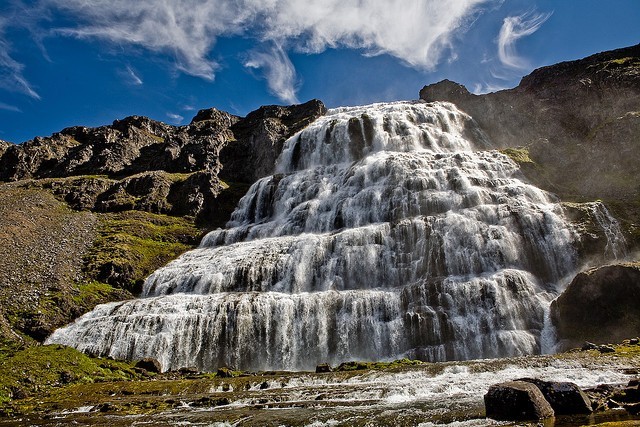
column 124, row 179
column 260, row 137
column 578, row 122
column 138, row 163
column 599, row 305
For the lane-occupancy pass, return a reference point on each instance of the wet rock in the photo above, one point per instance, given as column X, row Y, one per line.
column 599, row 305
column 565, row 398
column 606, row 349
column 633, row 341
column 323, row 367
column 260, row 137
column 603, row 397
column 149, row 365
column 589, row 346
column 516, row 400
column 66, row 377
column 105, row 407
column 211, row 401
column 224, row 373
column 190, row 370
column 632, row 408
column 18, row 393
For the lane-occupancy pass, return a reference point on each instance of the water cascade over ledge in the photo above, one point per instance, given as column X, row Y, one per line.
column 388, row 231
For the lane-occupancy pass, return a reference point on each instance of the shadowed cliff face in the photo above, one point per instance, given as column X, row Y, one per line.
column 579, row 120
column 599, row 305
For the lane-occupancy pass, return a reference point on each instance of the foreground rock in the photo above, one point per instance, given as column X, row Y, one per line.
column 599, row 305
column 516, row 400
column 565, row 398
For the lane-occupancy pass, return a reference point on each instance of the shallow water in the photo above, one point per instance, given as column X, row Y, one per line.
column 424, row 395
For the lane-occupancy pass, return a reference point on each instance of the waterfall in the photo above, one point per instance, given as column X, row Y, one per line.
column 390, row 230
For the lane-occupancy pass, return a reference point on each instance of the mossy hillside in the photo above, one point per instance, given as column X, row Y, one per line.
column 131, row 245
column 31, row 372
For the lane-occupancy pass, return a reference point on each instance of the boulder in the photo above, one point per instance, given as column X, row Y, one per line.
column 149, row 364
column 516, row 400
column 599, row 305
column 565, row 398
column 323, row 367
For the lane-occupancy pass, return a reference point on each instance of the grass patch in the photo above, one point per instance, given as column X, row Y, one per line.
column 130, row 245
column 36, row 370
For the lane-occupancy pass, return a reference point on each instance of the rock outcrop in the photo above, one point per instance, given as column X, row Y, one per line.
column 516, row 400
column 599, row 305
column 565, row 398
column 577, row 121
column 141, row 164
column 260, row 136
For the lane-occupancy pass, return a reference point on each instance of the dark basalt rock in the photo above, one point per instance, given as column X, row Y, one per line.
column 141, row 164
column 516, row 400
column 565, row 398
column 323, row 368
column 149, row 365
column 599, row 305
column 260, row 137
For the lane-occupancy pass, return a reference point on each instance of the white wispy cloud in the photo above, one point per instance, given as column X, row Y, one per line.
column 11, row 76
column 514, row 28
column 130, row 76
column 175, row 118
column 278, row 70
column 418, row 32
column 9, row 107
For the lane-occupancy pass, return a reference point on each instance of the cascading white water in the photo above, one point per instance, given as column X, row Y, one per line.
column 389, row 230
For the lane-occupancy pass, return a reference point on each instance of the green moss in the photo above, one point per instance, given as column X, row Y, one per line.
column 132, row 244
column 37, row 369
column 357, row 366
column 519, row 155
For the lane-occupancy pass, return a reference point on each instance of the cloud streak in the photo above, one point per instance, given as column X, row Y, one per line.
column 277, row 70
column 514, row 28
column 11, row 76
column 418, row 32
column 130, row 76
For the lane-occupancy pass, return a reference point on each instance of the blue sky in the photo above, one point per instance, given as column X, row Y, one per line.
column 78, row 62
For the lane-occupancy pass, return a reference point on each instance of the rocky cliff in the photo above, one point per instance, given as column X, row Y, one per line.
column 87, row 213
column 573, row 126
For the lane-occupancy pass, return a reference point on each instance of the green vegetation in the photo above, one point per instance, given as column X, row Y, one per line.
column 519, row 155
column 36, row 370
column 132, row 244
column 378, row 366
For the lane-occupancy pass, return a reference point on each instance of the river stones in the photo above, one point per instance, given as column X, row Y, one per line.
column 516, row 400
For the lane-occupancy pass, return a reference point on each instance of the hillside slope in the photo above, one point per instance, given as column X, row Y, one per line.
column 87, row 213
